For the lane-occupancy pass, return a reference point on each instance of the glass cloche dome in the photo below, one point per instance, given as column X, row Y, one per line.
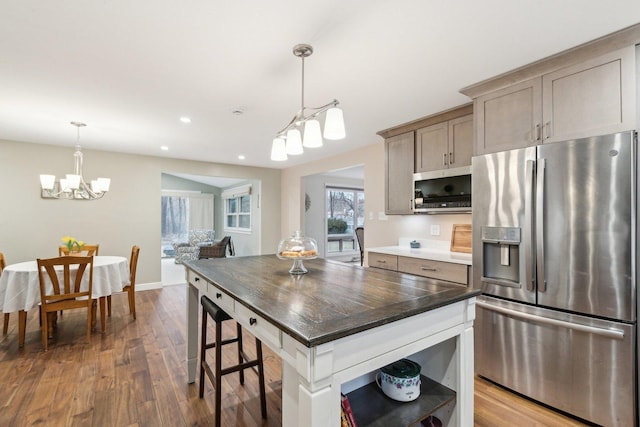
column 297, row 248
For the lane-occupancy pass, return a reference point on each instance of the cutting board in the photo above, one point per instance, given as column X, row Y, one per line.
column 461, row 238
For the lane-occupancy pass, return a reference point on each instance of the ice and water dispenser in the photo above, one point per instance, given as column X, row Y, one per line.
column 501, row 256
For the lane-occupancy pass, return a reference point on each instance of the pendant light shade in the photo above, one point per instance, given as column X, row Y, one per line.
column 312, row 135
column 334, row 124
column 294, row 142
column 278, row 150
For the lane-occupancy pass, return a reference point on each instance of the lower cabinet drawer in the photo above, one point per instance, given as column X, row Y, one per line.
column 378, row 260
column 196, row 280
column 220, row 298
column 258, row 326
column 433, row 269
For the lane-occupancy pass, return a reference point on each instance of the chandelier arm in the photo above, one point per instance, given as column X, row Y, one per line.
column 300, row 117
column 318, row 110
column 290, row 125
column 87, row 189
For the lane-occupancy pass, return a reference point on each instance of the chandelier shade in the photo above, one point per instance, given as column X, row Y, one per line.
column 279, row 149
column 73, row 186
column 334, row 124
column 294, row 142
column 312, row 136
column 308, row 117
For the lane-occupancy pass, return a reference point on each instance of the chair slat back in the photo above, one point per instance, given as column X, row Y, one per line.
column 87, row 250
column 70, row 289
column 133, row 265
column 3, row 263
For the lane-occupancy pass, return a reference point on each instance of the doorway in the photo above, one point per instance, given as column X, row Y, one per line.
column 318, row 211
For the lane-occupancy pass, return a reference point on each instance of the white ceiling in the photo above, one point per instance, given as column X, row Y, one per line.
column 131, row 69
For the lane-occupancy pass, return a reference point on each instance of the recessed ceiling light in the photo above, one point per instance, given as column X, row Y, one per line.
column 241, row 157
column 185, row 119
column 237, row 111
column 164, row 148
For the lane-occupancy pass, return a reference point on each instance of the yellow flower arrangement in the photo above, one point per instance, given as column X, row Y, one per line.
column 71, row 242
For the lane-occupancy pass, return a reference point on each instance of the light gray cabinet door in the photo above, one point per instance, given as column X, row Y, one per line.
column 596, row 97
column 445, row 145
column 399, row 153
column 509, row 118
column 432, row 147
column 460, row 141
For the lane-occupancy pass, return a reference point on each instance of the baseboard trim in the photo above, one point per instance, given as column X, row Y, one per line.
column 148, row 286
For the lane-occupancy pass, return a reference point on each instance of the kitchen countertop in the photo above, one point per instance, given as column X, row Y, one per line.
column 332, row 301
column 434, row 250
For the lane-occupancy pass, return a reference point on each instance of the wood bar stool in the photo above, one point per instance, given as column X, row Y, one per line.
column 218, row 315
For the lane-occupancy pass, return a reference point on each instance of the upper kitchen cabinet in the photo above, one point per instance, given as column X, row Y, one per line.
column 399, row 174
column 586, row 91
column 445, row 145
column 434, row 142
column 593, row 98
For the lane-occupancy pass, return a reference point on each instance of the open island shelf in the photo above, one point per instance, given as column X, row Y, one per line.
column 372, row 408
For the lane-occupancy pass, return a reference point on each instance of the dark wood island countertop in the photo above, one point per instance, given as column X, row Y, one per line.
column 333, row 300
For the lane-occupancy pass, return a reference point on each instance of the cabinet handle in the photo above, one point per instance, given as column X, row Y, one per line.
column 444, row 159
column 538, row 132
column 253, row 321
column 381, row 261
column 428, row 269
column 197, row 279
column 218, row 295
column 547, row 130
column 451, row 159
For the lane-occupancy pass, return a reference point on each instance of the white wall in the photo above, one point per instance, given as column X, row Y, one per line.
column 378, row 232
column 31, row 227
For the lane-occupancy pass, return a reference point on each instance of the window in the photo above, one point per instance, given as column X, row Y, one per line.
column 237, row 208
column 182, row 211
column 175, row 222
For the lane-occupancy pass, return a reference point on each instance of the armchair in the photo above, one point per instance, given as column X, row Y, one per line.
column 218, row 249
column 190, row 251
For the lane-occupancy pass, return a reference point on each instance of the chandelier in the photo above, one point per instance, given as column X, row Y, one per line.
column 290, row 140
column 73, row 186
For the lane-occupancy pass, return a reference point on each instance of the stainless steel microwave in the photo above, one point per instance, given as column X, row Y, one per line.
column 442, row 191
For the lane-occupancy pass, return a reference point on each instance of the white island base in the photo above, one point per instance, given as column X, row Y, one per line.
column 313, row 378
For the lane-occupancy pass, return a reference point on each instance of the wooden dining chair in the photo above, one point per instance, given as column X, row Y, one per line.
column 87, row 250
column 55, row 296
column 360, row 237
column 5, row 325
column 131, row 287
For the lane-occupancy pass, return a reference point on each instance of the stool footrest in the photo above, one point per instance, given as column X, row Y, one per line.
column 224, row 342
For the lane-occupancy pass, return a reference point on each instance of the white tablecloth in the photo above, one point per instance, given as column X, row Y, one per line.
column 20, row 287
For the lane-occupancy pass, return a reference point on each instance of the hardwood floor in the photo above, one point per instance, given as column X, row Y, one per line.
column 134, row 375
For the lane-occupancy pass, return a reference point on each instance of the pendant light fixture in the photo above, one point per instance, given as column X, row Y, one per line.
column 290, row 140
column 73, row 186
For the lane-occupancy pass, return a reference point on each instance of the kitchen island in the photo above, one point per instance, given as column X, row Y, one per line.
column 336, row 325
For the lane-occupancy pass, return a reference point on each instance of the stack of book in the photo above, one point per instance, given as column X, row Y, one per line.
column 346, row 414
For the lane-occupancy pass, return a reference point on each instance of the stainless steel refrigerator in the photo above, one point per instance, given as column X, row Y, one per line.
column 555, row 254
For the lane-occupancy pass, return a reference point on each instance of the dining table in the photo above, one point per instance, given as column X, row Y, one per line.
column 20, row 286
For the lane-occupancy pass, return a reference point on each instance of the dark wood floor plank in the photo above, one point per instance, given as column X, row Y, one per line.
column 135, row 375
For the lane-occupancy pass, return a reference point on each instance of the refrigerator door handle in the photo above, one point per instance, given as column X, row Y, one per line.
column 528, row 229
column 609, row 333
column 539, row 220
